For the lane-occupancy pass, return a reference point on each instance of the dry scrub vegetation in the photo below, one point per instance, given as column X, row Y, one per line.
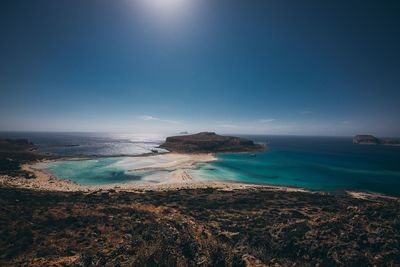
column 199, row 227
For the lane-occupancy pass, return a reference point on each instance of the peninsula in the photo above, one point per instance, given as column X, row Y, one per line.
column 209, row 142
column 14, row 153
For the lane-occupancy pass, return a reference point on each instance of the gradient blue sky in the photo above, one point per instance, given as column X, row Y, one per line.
column 231, row 66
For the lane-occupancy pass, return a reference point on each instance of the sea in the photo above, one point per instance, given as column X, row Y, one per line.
column 315, row 163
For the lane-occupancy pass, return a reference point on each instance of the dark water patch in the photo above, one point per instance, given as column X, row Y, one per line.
column 258, row 176
column 88, row 144
column 120, row 175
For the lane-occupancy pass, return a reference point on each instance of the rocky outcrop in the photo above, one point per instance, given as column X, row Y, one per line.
column 209, row 142
column 13, row 153
column 367, row 139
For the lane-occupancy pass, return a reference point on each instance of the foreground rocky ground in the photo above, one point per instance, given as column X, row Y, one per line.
column 197, row 227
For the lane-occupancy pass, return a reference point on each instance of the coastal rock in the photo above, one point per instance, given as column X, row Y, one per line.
column 209, row 142
column 365, row 139
column 13, row 153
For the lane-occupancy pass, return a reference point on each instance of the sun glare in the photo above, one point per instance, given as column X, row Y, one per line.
column 164, row 10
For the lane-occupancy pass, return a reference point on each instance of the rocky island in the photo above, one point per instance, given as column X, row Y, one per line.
column 366, row 139
column 209, row 142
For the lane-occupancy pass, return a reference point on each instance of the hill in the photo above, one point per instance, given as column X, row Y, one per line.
column 209, row 142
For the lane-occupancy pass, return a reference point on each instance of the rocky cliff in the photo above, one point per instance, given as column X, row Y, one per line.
column 208, row 142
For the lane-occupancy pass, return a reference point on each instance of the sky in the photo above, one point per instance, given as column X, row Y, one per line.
column 251, row 67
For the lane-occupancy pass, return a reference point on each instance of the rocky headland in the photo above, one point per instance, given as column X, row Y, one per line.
column 14, row 153
column 209, row 142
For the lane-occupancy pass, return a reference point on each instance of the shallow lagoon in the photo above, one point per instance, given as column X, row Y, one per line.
column 320, row 163
column 92, row 172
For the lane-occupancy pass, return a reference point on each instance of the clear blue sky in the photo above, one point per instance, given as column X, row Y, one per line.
column 266, row 67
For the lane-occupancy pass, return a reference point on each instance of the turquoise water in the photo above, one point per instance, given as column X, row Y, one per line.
column 93, row 172
column 320, row 163
column 314, row 163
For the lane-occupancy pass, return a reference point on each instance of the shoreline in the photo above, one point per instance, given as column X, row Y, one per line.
column 177, row 178
column 46, row 182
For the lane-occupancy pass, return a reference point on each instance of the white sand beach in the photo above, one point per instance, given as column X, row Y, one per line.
column 174, row 174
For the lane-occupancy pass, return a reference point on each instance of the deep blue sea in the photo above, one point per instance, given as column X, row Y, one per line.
column 319, row 163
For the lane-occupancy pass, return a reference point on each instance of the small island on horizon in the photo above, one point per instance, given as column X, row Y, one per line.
column 367, row 139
